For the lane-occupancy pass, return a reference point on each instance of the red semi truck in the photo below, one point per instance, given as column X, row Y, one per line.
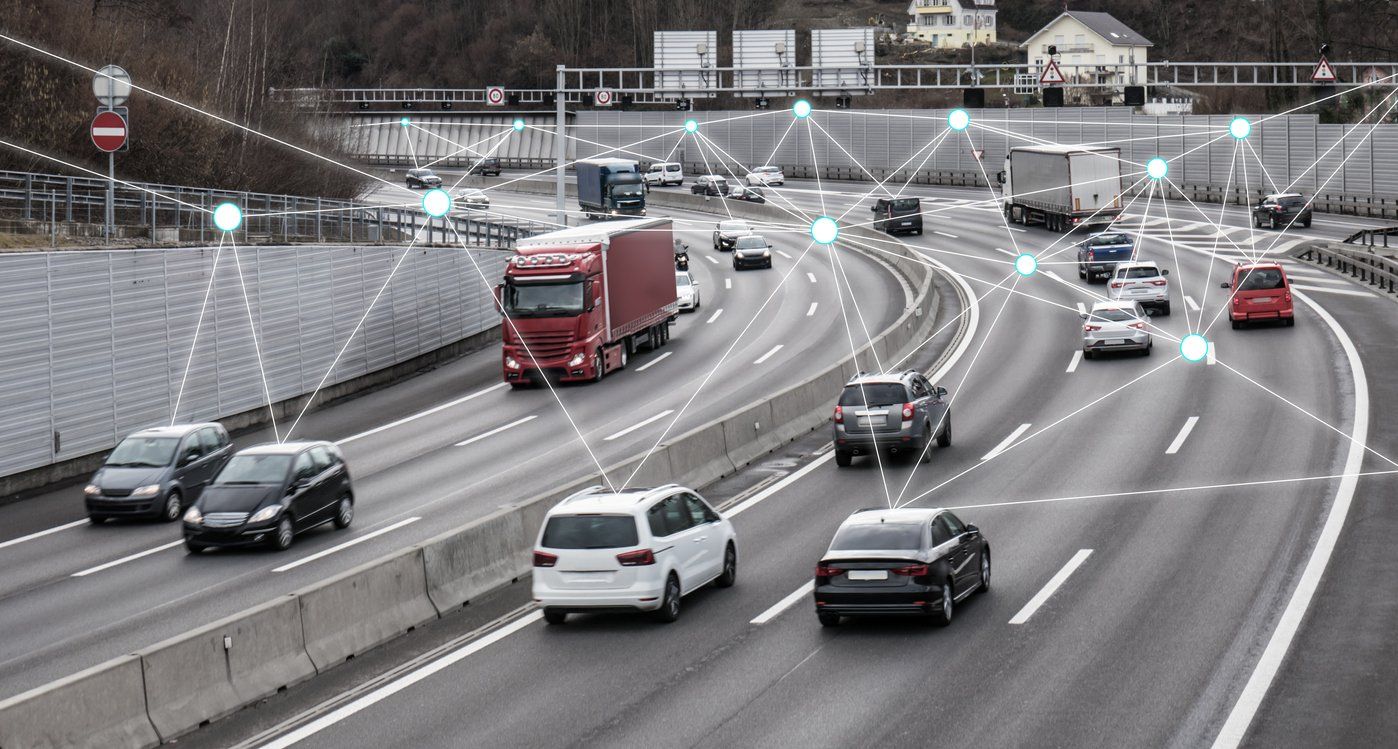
column 579, row 302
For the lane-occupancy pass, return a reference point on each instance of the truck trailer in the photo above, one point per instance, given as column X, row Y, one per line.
column 579, row 302
column 1062, row 187
column 610, row 188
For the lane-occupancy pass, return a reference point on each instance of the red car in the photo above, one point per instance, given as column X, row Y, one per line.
column 1260, row 292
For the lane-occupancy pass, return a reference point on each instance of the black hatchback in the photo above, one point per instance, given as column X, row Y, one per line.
column 919, row 562
column 486, row 167
column 269, row 493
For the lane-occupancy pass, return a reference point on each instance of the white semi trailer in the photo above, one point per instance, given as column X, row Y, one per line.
column 1062, row 187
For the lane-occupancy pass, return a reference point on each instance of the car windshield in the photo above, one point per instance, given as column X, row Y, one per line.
column 1261, row 279
column 732, row 226
column 254, row 469
column 880, row 536
column 750, row 242
column 1138, row 272
column 1112, row 315
column 1103, row 239
column 874, row 394
column 681, row 279
column 134, row 452
column 590, row 532
column 543, row 299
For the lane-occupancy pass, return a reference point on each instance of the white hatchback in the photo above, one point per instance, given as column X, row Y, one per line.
column 766, row 175
column 687, row 291
column 639, row 550
column 1143, row 282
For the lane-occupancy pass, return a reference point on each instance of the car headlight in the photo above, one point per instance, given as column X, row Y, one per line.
column 510, row 363
column 264, row 514
column 577, row 359
column 766, row 253
column 92, row 490
column 193, row 516
column 149, row 490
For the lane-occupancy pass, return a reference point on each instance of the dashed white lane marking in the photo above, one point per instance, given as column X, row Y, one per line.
column 785, row 603
column 654, row 361
column 421, row 414
column 124, row 560
column 945, row 234
column 812, row 310
column 769, row 354
column 66, row 526
column 714, row 316
column 1073, row 363
column 1182, row 436
column 347, row 544
column 1051, row 587
column 711, row 259
column 727, row 283
column 645, row 423
column 1005, row 443
column 497, row 430
column 1189, row 301
column 811, row 276
column 783, row 254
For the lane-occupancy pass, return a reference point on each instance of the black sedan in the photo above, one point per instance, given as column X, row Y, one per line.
column 269, row 493
column 1282, row 211
column 919, row 562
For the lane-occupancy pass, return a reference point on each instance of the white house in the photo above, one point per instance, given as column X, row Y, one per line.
column 1092, row 47
column 952, row 23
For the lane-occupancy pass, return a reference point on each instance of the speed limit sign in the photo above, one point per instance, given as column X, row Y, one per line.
column 602, row 97
column 495, row 96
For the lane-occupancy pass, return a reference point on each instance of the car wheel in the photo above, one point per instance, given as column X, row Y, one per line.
column 554, row 616
column 1306, row 223
column 1274, row 222
column 985, row 572
column 174, row 504
column 828, row 619
column 344, row 513
column 669, row 610
column 1082, row 272
column 944, row 439
column 1145, row 351
column 925, row 455
column 281, row 540
column 730, row 568
column 193, row 547
column 1290, row 322
column 1237, row 325
column 97, row 519
column 843, row 458
column 1165, row 309
column 942, row 617
column 1088, row 354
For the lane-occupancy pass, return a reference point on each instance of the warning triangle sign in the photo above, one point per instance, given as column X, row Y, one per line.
column 1324, row 73
column 1051, row 74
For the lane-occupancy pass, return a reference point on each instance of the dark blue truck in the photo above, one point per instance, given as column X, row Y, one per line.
column 1099, row 254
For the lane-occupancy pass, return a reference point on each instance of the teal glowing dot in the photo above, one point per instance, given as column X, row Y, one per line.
column 1240, row 128
column 959, row 119
column 691, row 126
column 802, row 109
column 1156, row 168
column 404, row 122
column 1194, row 347
column 1026, row 264
column 436, row 203
column 824, row 230
column 228, row 217
column 519, row 125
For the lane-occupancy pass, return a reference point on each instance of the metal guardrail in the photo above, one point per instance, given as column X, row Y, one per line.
column 1373, row 237
column 72, row 206
column 1366, row 265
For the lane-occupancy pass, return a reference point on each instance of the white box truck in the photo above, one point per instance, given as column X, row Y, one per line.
column 1062, row 187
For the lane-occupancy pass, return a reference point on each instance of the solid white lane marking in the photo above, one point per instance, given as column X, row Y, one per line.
column 727, row 283
column 1050, row 587
column 711, row 259
column 124, row 560
column 811, row 276
column 1015, row 228
column 398, row 685
column 1209, row 358
column 785, row 603
column 1075, row 361
column 1327, row 290
column 421, row 414
column 1182, row 436
column 634, row 427
column 496, row 431
column 50, row 531
column 780, row 485
column 654, row 361
column 714, row 316
column 1189, row 301
column 945, row 234
column 346, row 545
column 783, row 254
column 768, row 355
column 1005, row 443
column 812, row 310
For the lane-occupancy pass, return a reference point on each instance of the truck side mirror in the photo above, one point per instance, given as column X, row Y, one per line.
column 1000, row 177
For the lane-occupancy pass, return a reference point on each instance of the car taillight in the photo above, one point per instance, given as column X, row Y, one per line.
column 907, row 412
column 1288, row 296
column 1091, row 328
column 825, row 572
column 542, row 559
column 1137, row 325
column 912, row 570
column 1158, row 282
column 1117, row 284
column 1091, row 254
column 839, row 415
column 1237, row 301
column 639, row 558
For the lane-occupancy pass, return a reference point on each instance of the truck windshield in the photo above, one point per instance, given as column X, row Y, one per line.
column 543, row 299
column 626, row 191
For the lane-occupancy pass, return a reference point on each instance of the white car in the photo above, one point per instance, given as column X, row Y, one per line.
column 638, row 550
column 766, row 175
column 1140, row 281
column 1115, row 326
column 472, row 198
column 687, row 289
column 668, row 173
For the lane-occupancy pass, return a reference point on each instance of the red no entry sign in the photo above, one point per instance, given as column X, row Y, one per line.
column 108, row 131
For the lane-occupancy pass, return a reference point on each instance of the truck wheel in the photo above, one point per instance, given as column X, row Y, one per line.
column 625, row 358
column 597, row 364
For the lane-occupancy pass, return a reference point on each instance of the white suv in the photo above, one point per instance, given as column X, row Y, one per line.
column 638, row 550
column 1142, row 282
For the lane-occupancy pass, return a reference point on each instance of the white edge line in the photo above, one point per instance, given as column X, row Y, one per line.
column 341, row 547
column 1051, row 587
column 654, row 361
column 124, row 560
column 421, row 414
column 780, row 485
column 790, row 600
column 497, row 430
column 634, row 427
column 1182, row 436
column 41, row 534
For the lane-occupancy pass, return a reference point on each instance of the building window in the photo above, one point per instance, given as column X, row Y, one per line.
column 1120, row 58
column 948, row 20
column 966, row 21
column 1080, row 40
column 989, row 22
column 1058, row 41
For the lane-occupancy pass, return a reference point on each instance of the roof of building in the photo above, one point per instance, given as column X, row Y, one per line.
column 1105, row 25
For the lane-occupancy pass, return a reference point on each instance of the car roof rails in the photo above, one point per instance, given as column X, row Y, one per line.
column 583, row 493
column 646, row 494
column 857, row 375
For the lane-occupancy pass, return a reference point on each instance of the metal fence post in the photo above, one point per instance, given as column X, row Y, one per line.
column 319, row 237
column 28, row 196
column 68, row 208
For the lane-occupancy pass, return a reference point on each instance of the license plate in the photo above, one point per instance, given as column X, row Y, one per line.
column 907, row 223
column 1117, row 342
column 1262, row 300
column 871, row 421
column 868, row 574
column 588, row 577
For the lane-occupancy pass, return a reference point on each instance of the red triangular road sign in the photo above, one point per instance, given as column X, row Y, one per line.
column 1324, row 73
column 1051, row 74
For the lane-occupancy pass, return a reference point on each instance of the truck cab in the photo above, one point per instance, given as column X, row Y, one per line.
column 610, row 188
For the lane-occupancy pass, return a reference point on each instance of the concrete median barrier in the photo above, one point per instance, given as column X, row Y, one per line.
column 476, row 559
column 364, row 607
column 211, row 672
column 700, row 456
column 103, row 707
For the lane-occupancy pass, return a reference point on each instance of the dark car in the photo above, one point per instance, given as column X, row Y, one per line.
column 1282, row 210
column 1099, row 254
column 750, row 194
column 898, row 215
column 897, row 412
column 487, row 167
column 751, row 251
column 156, row 473
column 726, row 233
column 709, row 185
column 918, row 562
column 268, row 493
column 423, row 178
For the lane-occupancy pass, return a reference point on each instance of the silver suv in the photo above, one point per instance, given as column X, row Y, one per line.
column 900, row 412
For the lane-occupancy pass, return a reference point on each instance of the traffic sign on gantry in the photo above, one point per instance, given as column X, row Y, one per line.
column 108, row 131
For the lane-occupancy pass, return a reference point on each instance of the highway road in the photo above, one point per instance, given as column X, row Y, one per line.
column 1140, row 571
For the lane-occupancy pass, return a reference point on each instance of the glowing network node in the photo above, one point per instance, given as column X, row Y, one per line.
column 1026, row 264
column 404, row 122
column 691, row 126
column 1239, row 128
column 1156, row 168
column 436, row 203
column 802, row 109
column 1194, row 347
column 824, row 230
column 959, row 119
column 519, row 125
column 228, row 217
